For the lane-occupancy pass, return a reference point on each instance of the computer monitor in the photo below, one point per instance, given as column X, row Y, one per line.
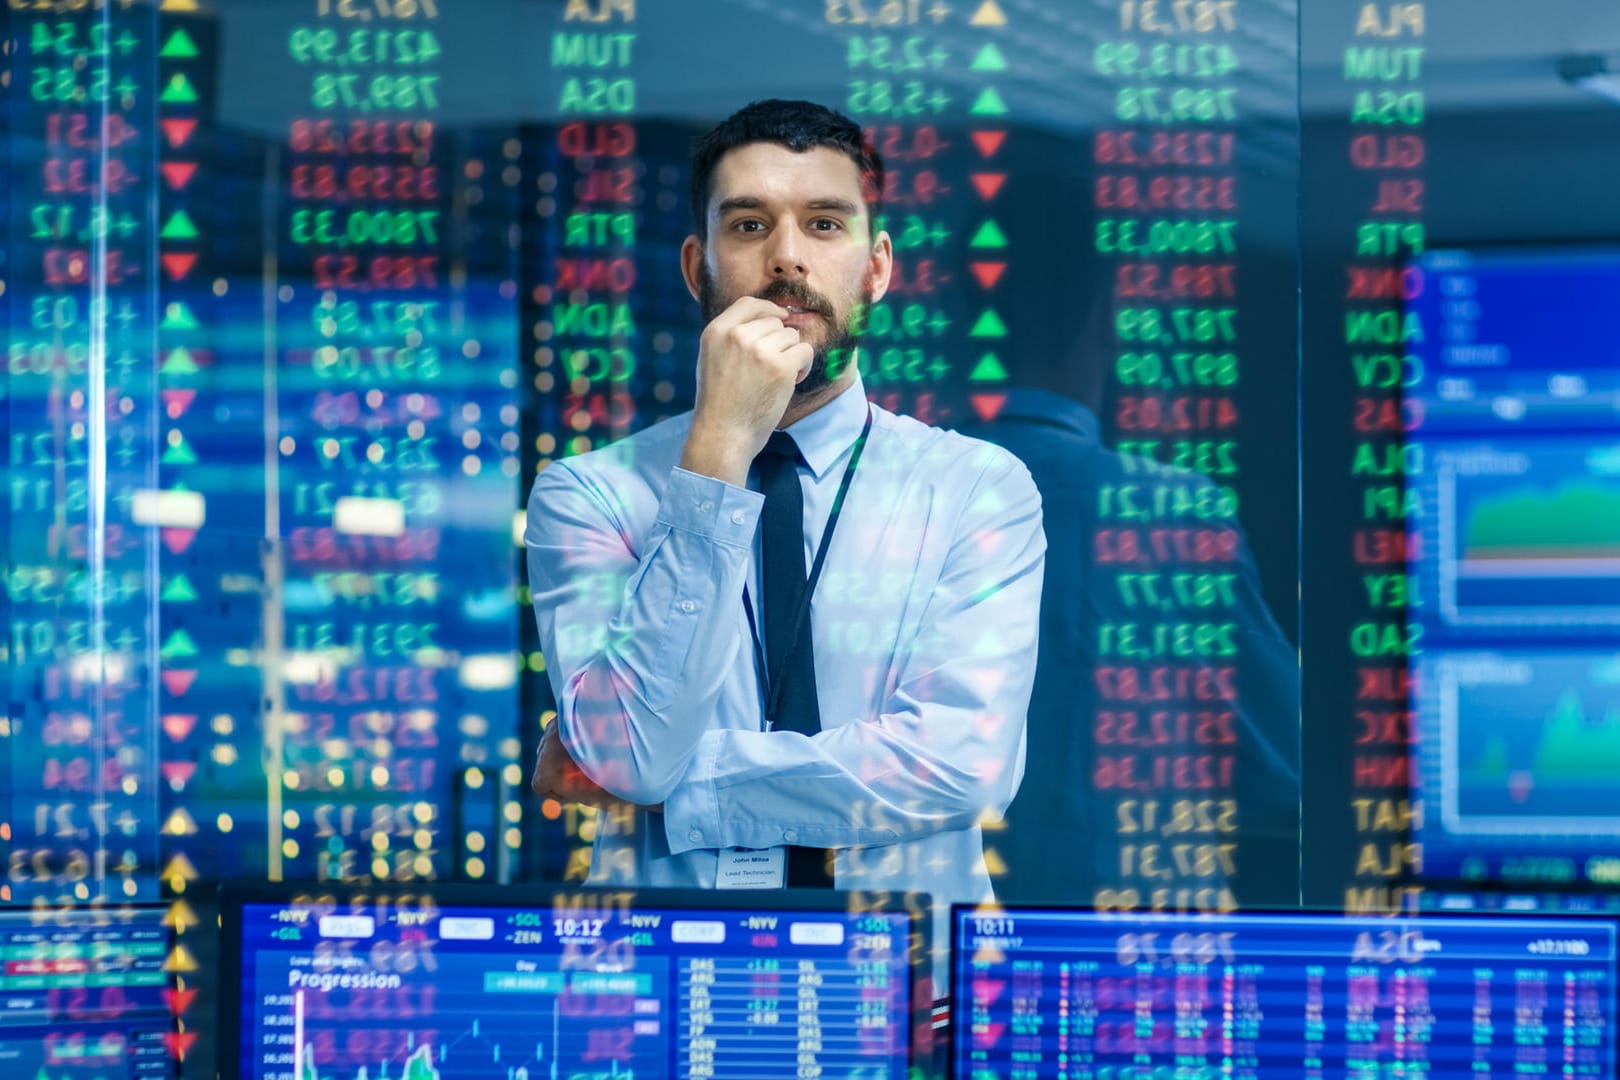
column 1086, row 995
column 1498, row 899
column 1512, row 405
column 439, row 982
column 84, row 994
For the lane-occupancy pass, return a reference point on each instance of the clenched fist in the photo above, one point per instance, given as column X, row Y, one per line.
column 749, row 361
column 556, row 776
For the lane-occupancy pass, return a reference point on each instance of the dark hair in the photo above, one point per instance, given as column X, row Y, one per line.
column 797, row 125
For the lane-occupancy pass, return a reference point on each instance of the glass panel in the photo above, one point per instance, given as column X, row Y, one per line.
column 81, row 406
column 1458, row 389
column 1296, row 318
column 364, row 283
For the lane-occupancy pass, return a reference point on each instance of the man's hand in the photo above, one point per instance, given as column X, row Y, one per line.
column 557, row 777
column 749, row 361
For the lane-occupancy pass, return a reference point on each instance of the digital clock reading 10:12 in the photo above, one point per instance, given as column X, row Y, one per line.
column 567, row 928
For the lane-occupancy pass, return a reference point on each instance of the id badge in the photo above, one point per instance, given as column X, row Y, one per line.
column 752, row 868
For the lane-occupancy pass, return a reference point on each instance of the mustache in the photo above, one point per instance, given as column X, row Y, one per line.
column 795, row 294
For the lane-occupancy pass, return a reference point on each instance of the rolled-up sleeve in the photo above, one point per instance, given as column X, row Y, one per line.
column 948, row 745
column 637, row 642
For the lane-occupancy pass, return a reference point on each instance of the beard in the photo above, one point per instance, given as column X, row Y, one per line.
column 837, row 348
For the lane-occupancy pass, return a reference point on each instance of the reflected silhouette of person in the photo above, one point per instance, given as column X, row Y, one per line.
column 1065, row 831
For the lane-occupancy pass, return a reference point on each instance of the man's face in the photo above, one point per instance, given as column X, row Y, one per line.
column 792, row 229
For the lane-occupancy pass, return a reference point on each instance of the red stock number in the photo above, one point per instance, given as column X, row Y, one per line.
column 377, row 272
column 401, row 183
column 1183, row 281
column 405, row 137
column 1136, row 193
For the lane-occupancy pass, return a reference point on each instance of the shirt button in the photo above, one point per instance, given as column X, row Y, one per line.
column 695, row 835
column 705, row 507
column 688, row 606
column 738, row 517
column 791, row 836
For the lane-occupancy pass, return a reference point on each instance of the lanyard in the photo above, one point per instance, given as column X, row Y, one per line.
column 772, row 681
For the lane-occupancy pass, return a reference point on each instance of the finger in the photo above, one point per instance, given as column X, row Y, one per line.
column 803, row 354
column 748, row 335
column 537, row 782
column 752, row 307
column 779, row 342
column 752, row 330
column 745, row 309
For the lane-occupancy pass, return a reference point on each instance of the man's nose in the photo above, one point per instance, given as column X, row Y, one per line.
column 787, row 254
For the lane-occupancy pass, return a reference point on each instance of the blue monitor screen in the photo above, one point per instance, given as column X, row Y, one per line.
column 1079, row 995
column 1523, row 323
column 1513, row 393
column 1516, row 901
column 84, row 994
column 582, row 985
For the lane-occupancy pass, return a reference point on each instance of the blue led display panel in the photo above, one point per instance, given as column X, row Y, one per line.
column 85, row 994
column 469, row 985
column 1081, row 995
column 1516, row 564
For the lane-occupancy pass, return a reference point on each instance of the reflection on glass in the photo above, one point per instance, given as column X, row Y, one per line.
column 1296, row 313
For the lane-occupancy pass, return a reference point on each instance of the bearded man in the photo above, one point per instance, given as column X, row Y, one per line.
column 796, row 631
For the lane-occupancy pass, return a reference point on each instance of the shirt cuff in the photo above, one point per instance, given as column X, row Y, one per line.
column 710, row 507
column 692, row 810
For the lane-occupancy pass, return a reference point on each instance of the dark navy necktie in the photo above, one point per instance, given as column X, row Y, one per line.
column 789, row 653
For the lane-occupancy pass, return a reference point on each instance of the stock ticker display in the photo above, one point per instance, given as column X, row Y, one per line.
column 1087, row 996
column 599, row 986
column 298, row 299
column 273, row 633
column 1365, row 197
column 301, row 297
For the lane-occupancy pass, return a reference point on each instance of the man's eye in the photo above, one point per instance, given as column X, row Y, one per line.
column 748, row 226
column 826, row 224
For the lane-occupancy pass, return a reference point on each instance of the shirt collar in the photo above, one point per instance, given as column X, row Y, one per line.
column 827, row 433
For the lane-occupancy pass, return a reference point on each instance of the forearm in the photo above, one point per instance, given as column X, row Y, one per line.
column 636, row 675
column 631, row 716
column 939, row 751
column 859, row 784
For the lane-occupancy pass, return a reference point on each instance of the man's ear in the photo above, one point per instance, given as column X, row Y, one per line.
column 692, row 265
column 880, row 265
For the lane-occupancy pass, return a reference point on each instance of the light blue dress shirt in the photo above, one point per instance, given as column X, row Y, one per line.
column 925, row 627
